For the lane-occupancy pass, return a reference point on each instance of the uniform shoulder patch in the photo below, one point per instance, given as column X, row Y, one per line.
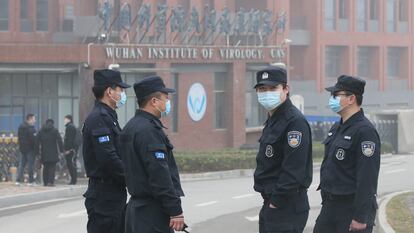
column 294, row 138
column 103, row 139
column 368, row 148
column 159, row 155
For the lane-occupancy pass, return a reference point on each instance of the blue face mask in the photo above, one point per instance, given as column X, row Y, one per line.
column 335, row 104
column 269, row 99
column 122, row 101
column 167, row 109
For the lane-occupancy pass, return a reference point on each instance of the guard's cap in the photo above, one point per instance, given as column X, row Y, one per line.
column 150, row 85
column 108, row 77
column 271, row 75
column 352, row 84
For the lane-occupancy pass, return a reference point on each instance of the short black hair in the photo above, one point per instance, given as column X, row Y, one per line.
column 144, row 101
column 69, row 117
column 50, row 122
column 359, row 99
column 29, row 116
column 98, row 91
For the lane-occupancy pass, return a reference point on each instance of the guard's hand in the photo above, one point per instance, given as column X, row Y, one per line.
column 177, row 222
column 357, row 226
column 272, row 206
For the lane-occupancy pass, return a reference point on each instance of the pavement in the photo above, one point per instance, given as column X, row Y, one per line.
column 218, row 210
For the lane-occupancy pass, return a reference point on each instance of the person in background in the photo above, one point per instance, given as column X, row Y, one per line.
column 50, row 142
column 27, row 143
column 71, row 148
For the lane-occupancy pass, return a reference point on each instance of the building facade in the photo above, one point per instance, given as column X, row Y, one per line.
column 209, row 50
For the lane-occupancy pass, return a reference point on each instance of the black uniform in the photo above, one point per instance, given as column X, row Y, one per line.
column 349, row 174
column 151, row 172
column 106, row 194
column 284, row 168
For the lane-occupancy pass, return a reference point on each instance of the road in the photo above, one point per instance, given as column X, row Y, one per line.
column 226, row 205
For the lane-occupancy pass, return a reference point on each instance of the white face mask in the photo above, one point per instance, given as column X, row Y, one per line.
column 269, row 99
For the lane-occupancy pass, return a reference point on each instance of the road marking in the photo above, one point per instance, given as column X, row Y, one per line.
column 74, row 214
column 253, row 218
column 38, row 203
column 395, row 171
column 207, row 203
column 244, row 196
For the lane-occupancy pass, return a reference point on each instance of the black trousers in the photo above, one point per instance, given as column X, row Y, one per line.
column 146, row 216
column 336, row 216
column 71, row 163
column 290, row 216
column 49, row 169
column 105, row 205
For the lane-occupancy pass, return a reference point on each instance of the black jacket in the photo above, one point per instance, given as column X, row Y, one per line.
column 284, row 161
column 351, row 164
column 151, row 171
column 27, row 138
column 70, row 135
column 100, row 134
column 50, row 143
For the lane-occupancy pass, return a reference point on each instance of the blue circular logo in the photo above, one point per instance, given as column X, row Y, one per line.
column 196, row 102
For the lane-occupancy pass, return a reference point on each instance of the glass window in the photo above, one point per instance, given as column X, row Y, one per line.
column 65, row 108
column 393, row 62
column 391, row 5
column 34, row 85
column 25, row 23
column 175, row 103
column 5, row 121
column 50, row 86
column 4, row 15
column 5, row 87
column 373, row 9
column 361, row 15
column 330, row 15
column 19, row 85
column 220, row 103
column 65, row 85
column 403, row 10
column 42, row 15
column 255, row 114
column 364, row 62
column 343, row 9
column 333, row 61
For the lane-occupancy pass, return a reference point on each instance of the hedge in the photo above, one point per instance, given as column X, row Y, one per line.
column 230, row 159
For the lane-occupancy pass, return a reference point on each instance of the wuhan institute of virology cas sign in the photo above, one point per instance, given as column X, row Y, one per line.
column 196, row 102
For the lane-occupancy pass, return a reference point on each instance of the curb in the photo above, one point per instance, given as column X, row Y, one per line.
column 383, row 225
column 33, row 197
column 217, row 175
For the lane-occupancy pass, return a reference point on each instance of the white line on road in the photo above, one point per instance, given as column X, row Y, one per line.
column 207, row 203
column 74, row 214
column 38, row 203
column 252, row 219
column 244, row 196
column 395, row 171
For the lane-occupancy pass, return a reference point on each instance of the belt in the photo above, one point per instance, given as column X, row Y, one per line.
column 336, row 197
column 103, row 180
column 289, row 192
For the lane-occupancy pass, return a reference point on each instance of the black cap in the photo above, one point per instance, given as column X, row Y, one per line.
column 150, row 85
column 108, row 77
column 352, row 84
column 272, row 76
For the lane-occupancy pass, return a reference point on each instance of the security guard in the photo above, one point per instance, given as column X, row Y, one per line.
column 284, row 161
column 349, row 171
column 151, row 172
column 106, row 194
